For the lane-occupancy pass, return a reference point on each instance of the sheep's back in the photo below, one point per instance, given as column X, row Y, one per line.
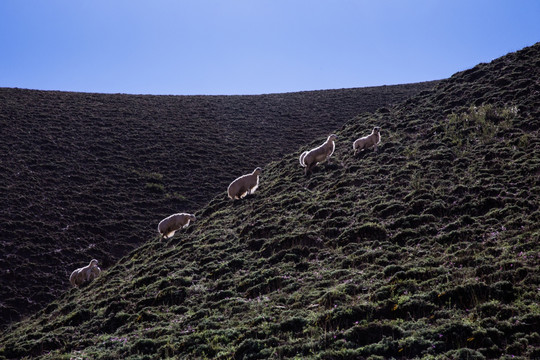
column 176, row 222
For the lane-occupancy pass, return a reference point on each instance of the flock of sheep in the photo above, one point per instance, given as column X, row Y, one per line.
column 239, row 188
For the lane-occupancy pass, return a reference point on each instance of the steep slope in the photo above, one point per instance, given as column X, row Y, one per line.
column 428, row 248
column 87, row 176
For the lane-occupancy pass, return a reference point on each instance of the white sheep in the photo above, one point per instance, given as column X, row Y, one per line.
column 244, row 185
column 84, row 274
column 168, row 226
column 94, row 273
column 320, row 154
column 366, row 142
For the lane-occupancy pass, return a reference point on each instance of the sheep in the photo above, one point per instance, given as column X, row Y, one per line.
column 84, row 274
column 168, row 226
column 95, row 273
column 368, row 141
column 309, row 159
column 244, row 185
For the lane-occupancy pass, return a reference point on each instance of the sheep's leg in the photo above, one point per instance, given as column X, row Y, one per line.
column 375, row 148
column 309, row 169
column 241, row 192
column 325, row 160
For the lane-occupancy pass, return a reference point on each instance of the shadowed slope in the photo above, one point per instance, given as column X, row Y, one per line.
column 429, row 247
column 87, row 176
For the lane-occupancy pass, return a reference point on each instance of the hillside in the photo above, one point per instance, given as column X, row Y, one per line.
column 87, row 176
column 428, row 248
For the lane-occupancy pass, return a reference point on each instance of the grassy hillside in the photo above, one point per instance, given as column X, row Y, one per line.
column 428, row 248
column 87, row 176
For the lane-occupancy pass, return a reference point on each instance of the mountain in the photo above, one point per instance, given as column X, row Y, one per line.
column 427, row 248
column 90, row 175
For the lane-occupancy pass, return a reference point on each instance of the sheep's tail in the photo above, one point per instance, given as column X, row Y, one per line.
column 302, row 159
column 72, row 279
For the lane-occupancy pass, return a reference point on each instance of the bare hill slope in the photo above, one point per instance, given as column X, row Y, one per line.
column 87, row 176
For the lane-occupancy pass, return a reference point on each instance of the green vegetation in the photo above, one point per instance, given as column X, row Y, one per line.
column 479, row 124
column 427, row 249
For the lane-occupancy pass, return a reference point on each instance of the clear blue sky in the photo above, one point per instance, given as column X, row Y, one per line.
column 252, row 46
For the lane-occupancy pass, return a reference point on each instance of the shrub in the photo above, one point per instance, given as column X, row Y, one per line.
column 144, row 346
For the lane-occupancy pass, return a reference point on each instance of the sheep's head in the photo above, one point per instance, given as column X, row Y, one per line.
column 332, row 137
column 257, row 171
column 192, row 217
column 376, row 130
column 93, row 263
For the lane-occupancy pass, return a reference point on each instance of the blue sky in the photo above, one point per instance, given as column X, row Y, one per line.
column 252, row 46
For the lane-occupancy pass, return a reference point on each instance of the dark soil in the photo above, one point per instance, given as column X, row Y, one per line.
column 90, row 175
